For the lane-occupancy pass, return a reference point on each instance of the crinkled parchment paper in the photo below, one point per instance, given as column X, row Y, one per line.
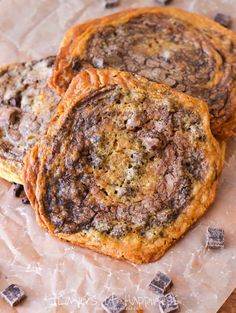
column 60, row 278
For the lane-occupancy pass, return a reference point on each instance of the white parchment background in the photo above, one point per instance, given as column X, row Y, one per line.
column 59, row 278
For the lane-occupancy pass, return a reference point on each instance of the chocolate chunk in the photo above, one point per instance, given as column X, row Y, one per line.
column 98, row 62
column 16, row 101
column 134, row 121
column 151, row 143
column 161, row 283
column 113, row 304
column 163, row 2
column 76, row 64
column 25, row 200
column 18, row 190
column 214, row 238
column 223, row 19
column 13, row 295
column 111, row 3
column 12, row 102
column 168, row 303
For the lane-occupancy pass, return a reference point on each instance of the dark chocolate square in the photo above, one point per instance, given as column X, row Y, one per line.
column 113, row 304
column 13, row 295
column 223, row 19
column 111, row 3
column 168, row 303
column 161, row 283
column 214, row 238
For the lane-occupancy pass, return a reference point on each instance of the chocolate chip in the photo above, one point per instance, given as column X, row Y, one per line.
column 168, row 303
column 25, row 200
column 12, row 102
column 13, row 295
column 214, row 238
column 113, row 304
column 76, row 64
column 16, row 101
column 111, row 3
column 163, row 2
column 18, row 190
column 161, row 283
column 98, row 62
column 223, row 19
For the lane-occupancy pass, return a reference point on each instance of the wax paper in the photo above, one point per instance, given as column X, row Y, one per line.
column 60, row 278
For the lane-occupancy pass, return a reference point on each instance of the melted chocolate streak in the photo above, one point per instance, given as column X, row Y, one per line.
column 70, row 216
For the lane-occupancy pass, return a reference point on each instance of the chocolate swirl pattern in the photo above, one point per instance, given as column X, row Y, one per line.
column 127, row 166
column 183, row 50
column 26, row 105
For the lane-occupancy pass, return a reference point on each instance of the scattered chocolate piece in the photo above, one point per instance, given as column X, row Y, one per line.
column 168, row 303
column 111, row 3
column 163, row 2
column 161, row 283
column 18, row 190
column 25, row 200
column 223, row 19
column 13, row 295
column 113, row 304
column 214, row 238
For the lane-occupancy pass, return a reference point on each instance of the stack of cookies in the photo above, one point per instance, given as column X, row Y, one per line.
column 119, row 140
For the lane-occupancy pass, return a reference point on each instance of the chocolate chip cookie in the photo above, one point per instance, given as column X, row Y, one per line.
column 26, row 105
column 188, row 52
column 126, row 167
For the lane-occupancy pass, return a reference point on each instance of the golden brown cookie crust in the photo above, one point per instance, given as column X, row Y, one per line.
column 75, row 42
column 132, row 246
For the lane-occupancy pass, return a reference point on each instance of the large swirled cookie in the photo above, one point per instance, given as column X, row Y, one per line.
column 126, row 167
column 26, row 105
column 183, row 50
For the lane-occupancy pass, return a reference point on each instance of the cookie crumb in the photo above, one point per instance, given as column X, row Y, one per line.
column 25, row 200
